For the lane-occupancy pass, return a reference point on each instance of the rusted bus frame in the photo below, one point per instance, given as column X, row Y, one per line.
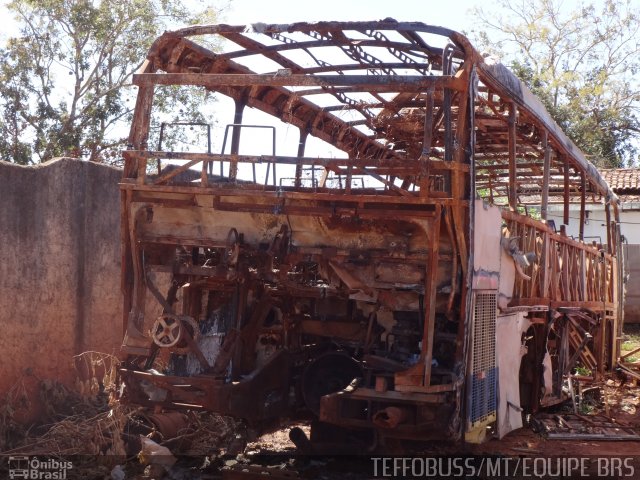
column 568, row 274
column 290, row 203
column 174, row 53
column 528, row 102
column 494, row 76
column 248, row 79
column 365, row 167
column 273, row 195
column 407, row 29
column 568, row 271
column 458, row 155
column 297, row 106
column 323, row 124
column 568, row 160
column 451, row 127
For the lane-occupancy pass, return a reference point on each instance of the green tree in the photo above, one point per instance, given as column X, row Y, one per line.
column 65, row 79
column 582, row 62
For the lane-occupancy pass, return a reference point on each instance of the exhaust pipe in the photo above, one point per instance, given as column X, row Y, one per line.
column 390, row 417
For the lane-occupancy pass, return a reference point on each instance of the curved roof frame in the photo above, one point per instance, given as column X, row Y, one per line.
column 381, row 75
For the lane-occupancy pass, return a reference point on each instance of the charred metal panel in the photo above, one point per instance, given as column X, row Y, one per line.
column 487, row 252
column 510, row 349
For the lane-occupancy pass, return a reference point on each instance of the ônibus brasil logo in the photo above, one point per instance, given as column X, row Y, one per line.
column 33, row 468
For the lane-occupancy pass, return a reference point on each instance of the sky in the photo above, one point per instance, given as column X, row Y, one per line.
column 452, row 14
column 455, row 15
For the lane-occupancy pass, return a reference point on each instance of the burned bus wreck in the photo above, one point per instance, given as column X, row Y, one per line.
column 410, row 286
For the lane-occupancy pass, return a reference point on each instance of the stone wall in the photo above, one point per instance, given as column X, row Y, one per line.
column 59, row 269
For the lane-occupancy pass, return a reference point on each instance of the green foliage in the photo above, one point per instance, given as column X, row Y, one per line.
column 65, row 79
column 181, row 103
column 631, row 342
column 584, row 371
column 582, row 63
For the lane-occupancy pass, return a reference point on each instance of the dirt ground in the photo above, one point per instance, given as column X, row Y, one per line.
column 107, row 438
column 208, row 453
column 618, row 398
column 623, row 401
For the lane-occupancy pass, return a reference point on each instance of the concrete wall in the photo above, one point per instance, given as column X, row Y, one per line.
column 59, row 268
column 632, row 294
column 594, row 227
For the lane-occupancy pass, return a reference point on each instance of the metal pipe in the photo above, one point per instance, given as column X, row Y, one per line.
column 390, row 417
column 300, row 440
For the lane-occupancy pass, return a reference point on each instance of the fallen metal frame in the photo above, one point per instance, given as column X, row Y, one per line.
column 582, row 427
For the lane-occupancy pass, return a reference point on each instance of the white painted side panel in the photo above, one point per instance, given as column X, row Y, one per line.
column 509, row 352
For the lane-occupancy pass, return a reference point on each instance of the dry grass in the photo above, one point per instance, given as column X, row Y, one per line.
column 88, row 420
column 81, row 422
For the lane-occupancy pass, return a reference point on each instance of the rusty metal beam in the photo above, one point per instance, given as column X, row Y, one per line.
column 378, row 83
column 567, row 191
column 140, row 127
column 513, row 192
column 607, row 210
column 431, row 277
column 363, row 163
column 583, row 201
